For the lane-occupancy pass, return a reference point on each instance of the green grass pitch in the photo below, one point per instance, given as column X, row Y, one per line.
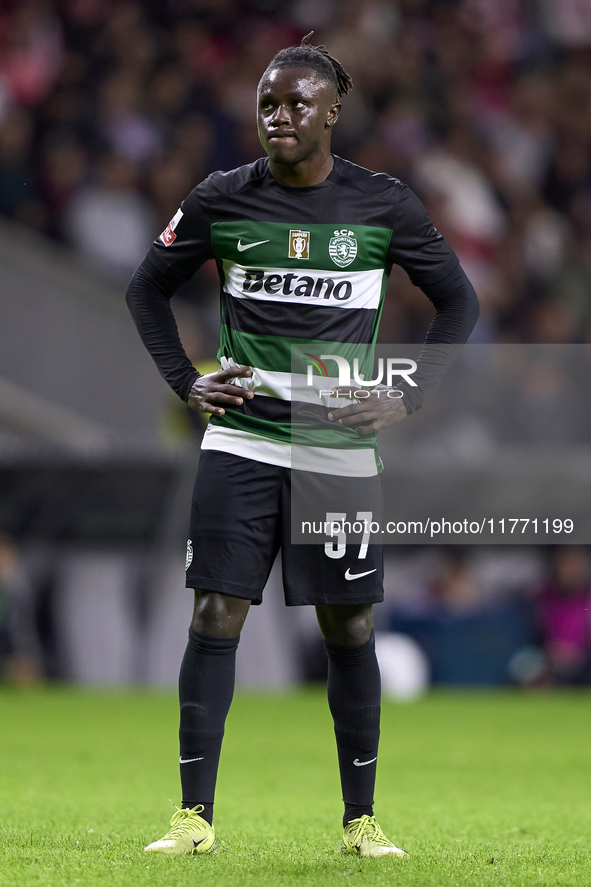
column 481, row 789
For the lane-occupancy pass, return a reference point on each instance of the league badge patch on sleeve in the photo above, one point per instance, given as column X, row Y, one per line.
column 189, row 557
column 168, row 235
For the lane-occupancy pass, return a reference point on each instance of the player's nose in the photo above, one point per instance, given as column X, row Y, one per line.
column 280, row 117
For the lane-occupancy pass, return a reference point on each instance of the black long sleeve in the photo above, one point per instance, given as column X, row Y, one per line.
column 456, row 308
column 456, row 313
column 182, row 248
column 148, row 298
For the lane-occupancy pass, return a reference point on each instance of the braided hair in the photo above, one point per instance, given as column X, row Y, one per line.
column 319, row 59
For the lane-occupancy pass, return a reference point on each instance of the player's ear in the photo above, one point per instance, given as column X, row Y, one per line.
column 332, row 115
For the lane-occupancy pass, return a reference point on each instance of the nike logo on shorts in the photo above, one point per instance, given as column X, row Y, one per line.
column 349, row 576
column 242, row 246
column 358, row 763
column 189, row 760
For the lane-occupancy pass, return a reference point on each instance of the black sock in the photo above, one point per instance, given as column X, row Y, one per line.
column 354, row 688
column 206, row 687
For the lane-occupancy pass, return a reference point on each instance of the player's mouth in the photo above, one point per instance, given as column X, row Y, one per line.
column 291, row 136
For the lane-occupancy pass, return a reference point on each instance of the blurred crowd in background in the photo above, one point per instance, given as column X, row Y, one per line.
column 112, row 110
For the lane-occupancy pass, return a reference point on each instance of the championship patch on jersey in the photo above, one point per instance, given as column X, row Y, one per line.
column 342, row 247
column 168, row 235
column 299, row 245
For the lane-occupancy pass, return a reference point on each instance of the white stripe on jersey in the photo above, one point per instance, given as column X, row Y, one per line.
column 334, row 289
column 293, row 387
column 320, row 460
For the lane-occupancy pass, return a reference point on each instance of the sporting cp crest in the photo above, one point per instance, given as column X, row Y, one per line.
column 342, row 248
column 189, row 558
column 299, row 245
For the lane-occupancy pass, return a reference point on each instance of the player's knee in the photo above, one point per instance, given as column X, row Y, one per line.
column 346, row 625
column 218, row 615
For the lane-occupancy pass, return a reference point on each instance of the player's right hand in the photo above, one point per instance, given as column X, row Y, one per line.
column 208, row 391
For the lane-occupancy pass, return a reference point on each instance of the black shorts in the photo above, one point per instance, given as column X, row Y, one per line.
column 241, row 517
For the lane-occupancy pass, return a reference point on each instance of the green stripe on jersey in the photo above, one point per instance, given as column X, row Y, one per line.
column 294, row 245
column 274, row 352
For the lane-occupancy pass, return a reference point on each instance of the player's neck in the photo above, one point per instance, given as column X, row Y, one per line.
column 311, row 171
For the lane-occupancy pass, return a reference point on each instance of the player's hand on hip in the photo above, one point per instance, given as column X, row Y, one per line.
column 370, row 414
column 210, row 392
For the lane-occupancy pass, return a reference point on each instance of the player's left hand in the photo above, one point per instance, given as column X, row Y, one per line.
column 370, row 414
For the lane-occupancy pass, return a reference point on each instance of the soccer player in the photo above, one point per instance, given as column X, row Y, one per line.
column 303, row 241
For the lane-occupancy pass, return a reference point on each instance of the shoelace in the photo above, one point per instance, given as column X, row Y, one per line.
column 367, row 827
column 181, row 824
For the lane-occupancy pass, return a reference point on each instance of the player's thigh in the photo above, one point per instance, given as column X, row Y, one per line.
column 235, row 525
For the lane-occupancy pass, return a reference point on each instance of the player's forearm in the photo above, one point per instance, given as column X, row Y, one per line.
column 148, row 299
column 456, row 313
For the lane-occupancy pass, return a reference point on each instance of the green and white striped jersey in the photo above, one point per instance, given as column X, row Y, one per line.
column 303, row 273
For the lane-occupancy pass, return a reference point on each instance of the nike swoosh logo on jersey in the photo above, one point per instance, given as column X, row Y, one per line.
column 242, row 246
column 358, row 763
column 189, row 760
column 350, row 576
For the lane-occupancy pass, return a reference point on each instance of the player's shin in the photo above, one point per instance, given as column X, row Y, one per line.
column 206, row 687
column 354, row 690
